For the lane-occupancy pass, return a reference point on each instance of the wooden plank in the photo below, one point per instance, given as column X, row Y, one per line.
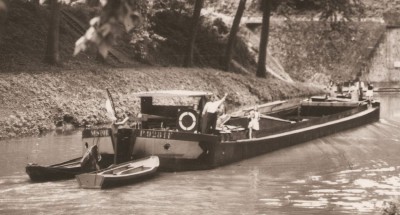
column 330, row 104
column 275, row 118
column 261, row 106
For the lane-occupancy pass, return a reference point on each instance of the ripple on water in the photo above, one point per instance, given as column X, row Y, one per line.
column 272, row 202
column 318, row 203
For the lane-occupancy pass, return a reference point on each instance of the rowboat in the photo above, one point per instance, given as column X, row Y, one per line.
column 60, row 171
column 67, row 169
column 121, row 174
column 172, row 131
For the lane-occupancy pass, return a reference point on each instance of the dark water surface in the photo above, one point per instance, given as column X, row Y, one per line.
column 352, row 172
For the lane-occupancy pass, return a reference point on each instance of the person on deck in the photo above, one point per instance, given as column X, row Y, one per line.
column 360, row 88
column 339, row 86
column 116, row 124
column 331, row 89
column 353, row 92
column 254, row 121
column 209, row 114
column 370, row 93
column 222, row 118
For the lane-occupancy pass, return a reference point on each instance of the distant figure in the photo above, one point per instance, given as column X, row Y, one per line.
column 353, row 92
column 331, row 89
column 360, row 88
column 254, row 121
column 340, row 88
column 370, row 93
column 209, row 114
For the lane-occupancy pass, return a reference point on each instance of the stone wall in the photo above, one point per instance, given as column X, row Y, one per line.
column 385, row 63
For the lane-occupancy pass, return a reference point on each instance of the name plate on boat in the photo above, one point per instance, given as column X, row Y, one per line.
column 88, row 133
column 155, row 134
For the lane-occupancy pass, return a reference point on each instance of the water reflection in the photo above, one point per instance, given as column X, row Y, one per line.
column 352, row 172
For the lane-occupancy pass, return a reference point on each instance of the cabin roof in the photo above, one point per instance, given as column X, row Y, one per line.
column 172, row 93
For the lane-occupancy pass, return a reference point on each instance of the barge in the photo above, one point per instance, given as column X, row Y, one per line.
column 173, row 132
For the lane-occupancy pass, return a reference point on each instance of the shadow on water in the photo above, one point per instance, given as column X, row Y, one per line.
column 352, row 172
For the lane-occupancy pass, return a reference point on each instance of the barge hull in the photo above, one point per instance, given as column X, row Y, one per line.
column 223, row 153
column 229, row 152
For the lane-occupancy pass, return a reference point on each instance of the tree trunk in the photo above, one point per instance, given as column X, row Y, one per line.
column 232, row 34
column 188, row 62
column 262, row 55
column 53, row 34
column 3, row 15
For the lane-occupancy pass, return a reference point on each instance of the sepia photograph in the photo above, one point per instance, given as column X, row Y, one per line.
column 247, row 107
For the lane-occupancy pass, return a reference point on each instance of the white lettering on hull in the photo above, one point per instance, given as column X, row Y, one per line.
column 155, row 134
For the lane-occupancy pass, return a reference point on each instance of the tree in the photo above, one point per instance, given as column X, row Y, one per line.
column 188, row 62
column 262, row 55
column 232, row 34
column 3, row 15
column 52, row 55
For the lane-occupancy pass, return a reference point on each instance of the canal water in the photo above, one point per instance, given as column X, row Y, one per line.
column 352, row 172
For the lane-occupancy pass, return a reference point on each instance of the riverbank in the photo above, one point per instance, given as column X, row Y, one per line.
column 356, row 172
column 37, row 102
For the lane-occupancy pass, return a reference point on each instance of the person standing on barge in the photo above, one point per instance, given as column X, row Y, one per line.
column 353, row 92
column 254, row 123
column 116, row 124
column 209, row 114
column 370, row 93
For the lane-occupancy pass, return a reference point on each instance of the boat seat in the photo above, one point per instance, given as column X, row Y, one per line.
column 234, row 128
column 130, row 169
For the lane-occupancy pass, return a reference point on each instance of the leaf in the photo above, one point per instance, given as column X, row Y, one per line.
column 128, row 23
column 65, row 1
column 94, row 21
column 91, row 35
column 80, row 45
column 105, row 29
column 103, row 49
column 129, row 17
column 103, row 2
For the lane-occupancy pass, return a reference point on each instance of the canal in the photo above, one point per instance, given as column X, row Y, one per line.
column 352, row 172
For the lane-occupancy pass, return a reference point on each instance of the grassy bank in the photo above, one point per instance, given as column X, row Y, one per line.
column 36, row 102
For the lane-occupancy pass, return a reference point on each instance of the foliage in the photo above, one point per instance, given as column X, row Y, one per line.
column 307, row 48
column 114, row 14
column 136, row 17
column 335, row 12
column 180, row 6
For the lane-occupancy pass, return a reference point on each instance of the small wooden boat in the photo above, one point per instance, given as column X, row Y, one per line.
column 67, row 169
column 60, row 171
column 129, row 172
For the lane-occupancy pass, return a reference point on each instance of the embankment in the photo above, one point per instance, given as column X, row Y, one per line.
column 36, row 102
